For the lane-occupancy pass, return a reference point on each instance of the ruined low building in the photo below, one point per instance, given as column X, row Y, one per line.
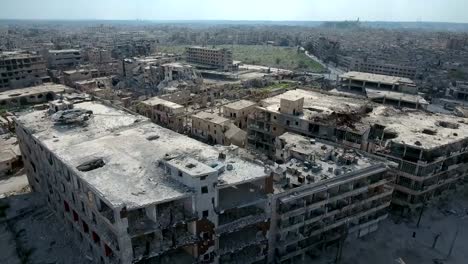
column 32, row 95
column 210, row 127
column 324, row 193
column 239, row 111
column 162, row 112
column 10, row 155
column 133, row 192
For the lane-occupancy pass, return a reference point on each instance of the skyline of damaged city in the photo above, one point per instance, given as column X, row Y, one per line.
column 181, row 132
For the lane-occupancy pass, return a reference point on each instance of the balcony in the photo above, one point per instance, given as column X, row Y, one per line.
column 236, row 218
column 238, row 240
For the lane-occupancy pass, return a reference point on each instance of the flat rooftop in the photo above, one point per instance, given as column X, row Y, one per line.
column 45, row 88
column 411, row 126
column 211, row 117
column 241, row 104
column 419, row 129
column 318, row 106
column 17, row 55
column 158, row 101
column 131, row 148
column 206, row 48
column 327, row 161
column 410, row 98
column 378, row 78
column 64, row 51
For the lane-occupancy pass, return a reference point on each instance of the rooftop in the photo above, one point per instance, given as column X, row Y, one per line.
column 211, row 117
column 158, row 101
column 379, row 78
column 319, row 161
column 419, row 129
column 64, row 51
column 45, row 88
column 17, row 55
column 241, row 104
column 318, row 106
column 411, row 98
column 131, row 147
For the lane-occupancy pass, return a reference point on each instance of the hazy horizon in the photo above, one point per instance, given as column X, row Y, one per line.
column 450, row 11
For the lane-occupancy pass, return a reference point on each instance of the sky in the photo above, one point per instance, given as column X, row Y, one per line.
column 303, row 10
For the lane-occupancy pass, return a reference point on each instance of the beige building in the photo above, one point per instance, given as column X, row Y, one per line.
column 210, row 127
column 214, row 58
column 238, row 112
column 162, row 112
column 20, row 69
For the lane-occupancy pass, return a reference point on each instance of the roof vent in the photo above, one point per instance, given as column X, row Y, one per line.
column 229, row 167
column 190, row 165
column 152, row 137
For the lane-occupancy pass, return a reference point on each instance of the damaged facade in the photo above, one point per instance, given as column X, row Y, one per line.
column 324, row 193
column 431, row 154
column 150, row 74
column 130, row 195
column 20, row 69
column 384, row 89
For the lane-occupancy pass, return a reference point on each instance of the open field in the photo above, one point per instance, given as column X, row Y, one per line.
column 271, row 56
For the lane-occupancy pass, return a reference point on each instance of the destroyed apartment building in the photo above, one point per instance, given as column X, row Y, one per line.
column 129, row 194
column 431, row 153
column 20, row 69
column 324, row 193
column 383, row 89
column 148, row 75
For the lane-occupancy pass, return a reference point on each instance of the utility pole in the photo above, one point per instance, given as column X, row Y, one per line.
column 421, row 213
column 453, row 242
column 339, row 252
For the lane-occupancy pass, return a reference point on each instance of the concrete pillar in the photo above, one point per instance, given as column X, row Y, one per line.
column 151, row 212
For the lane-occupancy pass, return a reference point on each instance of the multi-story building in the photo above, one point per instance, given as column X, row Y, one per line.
column 64, row 59
column 323, row 194
column 163, row 112
column 430, row 149
column 238, row 112
column 20, row 69
column 210, row 57
column 31, row 95
column 325, row 49
column 133, row 192
column 98, row 55
column 384, row 89
column 376, row 67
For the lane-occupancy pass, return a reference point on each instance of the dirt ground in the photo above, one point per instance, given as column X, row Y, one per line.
column 31, row 233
